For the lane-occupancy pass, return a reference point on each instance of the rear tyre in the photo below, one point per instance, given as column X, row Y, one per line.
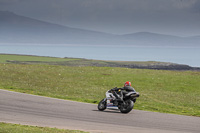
column 127, row 106
column 102, row 105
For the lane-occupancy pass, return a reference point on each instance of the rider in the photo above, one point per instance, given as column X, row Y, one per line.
column 118, row 92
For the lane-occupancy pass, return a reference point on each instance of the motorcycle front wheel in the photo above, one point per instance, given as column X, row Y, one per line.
column 127, row 106
column 102, row 105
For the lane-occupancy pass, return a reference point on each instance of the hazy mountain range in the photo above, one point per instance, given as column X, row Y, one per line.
column 19, row 29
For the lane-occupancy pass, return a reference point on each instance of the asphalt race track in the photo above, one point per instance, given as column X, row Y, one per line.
column 28, row 109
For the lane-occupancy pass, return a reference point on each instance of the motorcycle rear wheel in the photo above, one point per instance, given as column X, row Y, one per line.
column 102, row 105
column 127, row 107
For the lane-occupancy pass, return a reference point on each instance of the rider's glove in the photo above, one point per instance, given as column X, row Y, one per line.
column 114, row 89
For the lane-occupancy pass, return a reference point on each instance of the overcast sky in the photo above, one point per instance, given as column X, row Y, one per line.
column 175, row 17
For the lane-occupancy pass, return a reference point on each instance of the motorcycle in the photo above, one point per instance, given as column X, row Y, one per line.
column 125, row 105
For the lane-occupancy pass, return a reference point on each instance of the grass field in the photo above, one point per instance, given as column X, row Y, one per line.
column 164, row 91
column 5, row 57
column 16, row 128
column 23, row 59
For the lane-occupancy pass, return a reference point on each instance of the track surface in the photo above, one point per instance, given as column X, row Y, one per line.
column 28, row 109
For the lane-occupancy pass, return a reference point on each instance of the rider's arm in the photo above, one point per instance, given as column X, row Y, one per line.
column 113, row 89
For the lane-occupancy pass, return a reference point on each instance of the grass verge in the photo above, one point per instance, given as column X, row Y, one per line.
column 16, row 128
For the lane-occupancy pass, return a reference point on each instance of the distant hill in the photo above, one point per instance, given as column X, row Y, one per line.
column 19, row 29
column 153, row 39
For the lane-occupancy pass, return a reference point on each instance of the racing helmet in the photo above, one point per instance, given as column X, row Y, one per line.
column 127, row 83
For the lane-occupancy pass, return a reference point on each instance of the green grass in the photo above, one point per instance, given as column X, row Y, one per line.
column 6, row 57
column 16, row 128
column 24, row 59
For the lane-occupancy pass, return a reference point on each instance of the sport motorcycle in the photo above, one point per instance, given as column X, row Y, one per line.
column 125, row 105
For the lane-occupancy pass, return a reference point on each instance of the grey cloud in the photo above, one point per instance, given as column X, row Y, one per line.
column 196, row 7
column 115, row 16
column 8, row 2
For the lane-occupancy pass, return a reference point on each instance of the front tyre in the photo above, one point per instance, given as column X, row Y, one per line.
column 127, row 106
column 102, row 105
